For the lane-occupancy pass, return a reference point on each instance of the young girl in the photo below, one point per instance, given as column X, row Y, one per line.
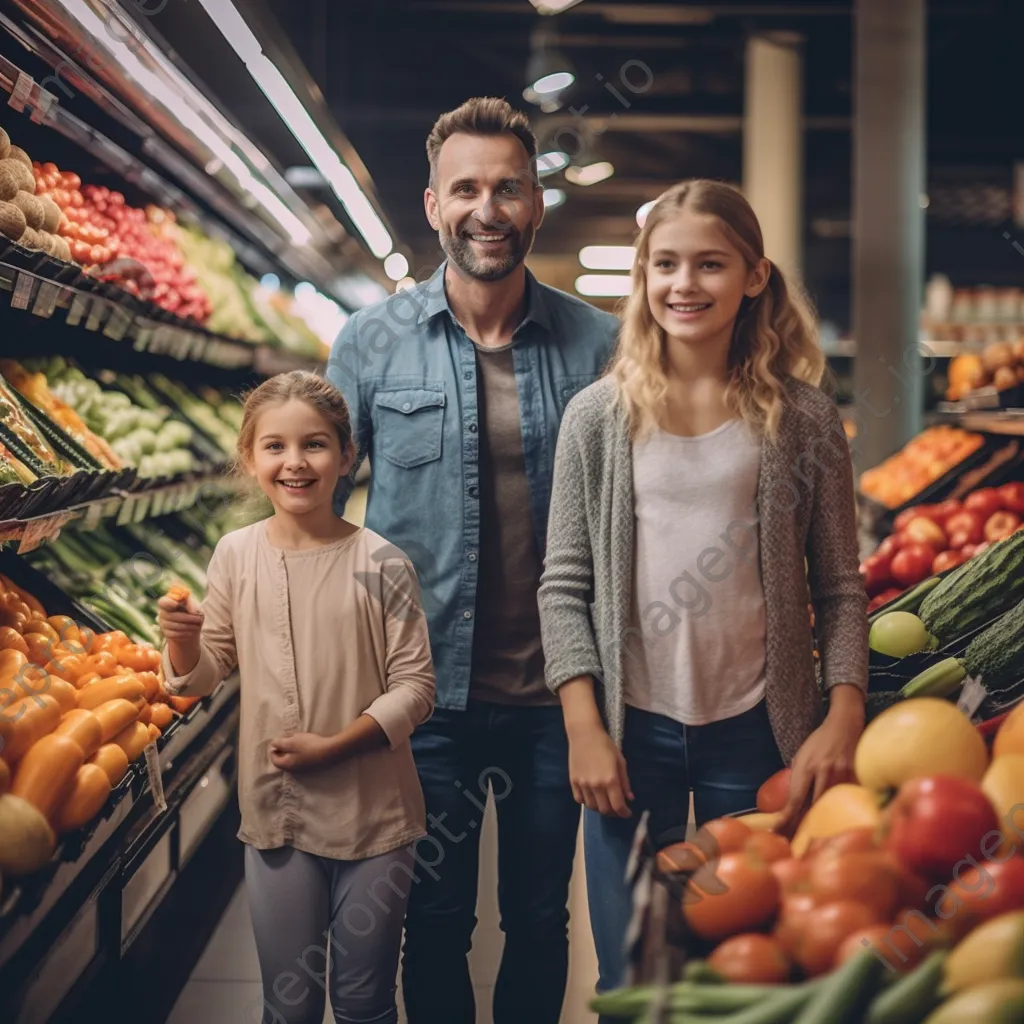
column 324, row 622
column 702, row 489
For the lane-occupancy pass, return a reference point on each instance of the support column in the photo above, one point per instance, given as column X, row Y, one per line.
column 889, row 181
column 773, row 151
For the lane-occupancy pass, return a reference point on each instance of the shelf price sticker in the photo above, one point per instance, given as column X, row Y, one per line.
column 46, row 299
column 22, row 294
column 79, row 305
column 22, row 92
column 141, row 509
column 156, row 779
column 93, row 515
column 118, row 324
column 972, row 696
column 124, row 514
column 96, row 311
column 38, row 531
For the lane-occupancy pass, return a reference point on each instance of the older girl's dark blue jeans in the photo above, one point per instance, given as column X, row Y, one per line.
column 724, row 764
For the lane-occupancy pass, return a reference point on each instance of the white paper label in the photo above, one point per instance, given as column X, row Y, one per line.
column 21, row 92
column 41, row 104
column 99, row 307
column 972, row 696
column 46, row 299
column 156, row 781
column 120, row 321
column 79, row 305
column 22, row 293
column 93, row 515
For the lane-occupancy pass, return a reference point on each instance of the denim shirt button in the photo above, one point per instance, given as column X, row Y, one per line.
column 472, row 428
column 472, row 556
column 467, row 375
column 407, row 406
column 467, row 614
column 474, row 491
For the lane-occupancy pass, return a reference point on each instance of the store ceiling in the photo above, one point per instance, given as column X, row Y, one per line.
column 388, row 68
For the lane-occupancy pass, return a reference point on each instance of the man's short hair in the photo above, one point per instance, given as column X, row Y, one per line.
column 482, row 115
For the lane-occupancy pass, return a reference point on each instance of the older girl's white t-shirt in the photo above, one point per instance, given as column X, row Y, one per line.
column 696, row 649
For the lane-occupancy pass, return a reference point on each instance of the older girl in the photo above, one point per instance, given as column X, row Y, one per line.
column 703, row 492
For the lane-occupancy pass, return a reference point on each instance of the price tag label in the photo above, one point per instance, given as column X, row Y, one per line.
column 141, row 509
column 143, row 338
column 79, row 304
column 37, row 531
column 118, row 324
column 22, row 294
column 972, row 696
column 93, row 515
column 156, row 780
column 98, row 308
column 46, row 299
column 41, row 104
column 124, row 514
column 21, row 92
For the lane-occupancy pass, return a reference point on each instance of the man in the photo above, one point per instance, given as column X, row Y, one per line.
column 457, row 387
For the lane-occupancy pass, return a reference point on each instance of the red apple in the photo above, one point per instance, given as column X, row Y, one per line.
column 891, row 545
column 982, row 888
column 935, row 821
column 966, row 524
column 912, row 563
column 1012, row 496
column 985, row 502
column 902, row 521
column 944, row 510
column 970, row 550
column 1000, row 525
column 887, row 595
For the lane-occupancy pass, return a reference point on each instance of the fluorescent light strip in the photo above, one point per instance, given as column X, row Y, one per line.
column 604, row 286
column 226, row 17
column 607, row 257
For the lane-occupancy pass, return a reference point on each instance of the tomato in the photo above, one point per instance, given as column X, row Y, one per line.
column 49, row 168
column 723, row 835
column 986, row 502
column 71, row 180
column 80, row 251
column 104, row 664
column 679, row 858
column 1000, row 525
column 751, row 959
column 853, row 840
column 108, row 641
column 891, row 545
column 944, row 510
column 40, row 648
column 732, row 895
column 793, row 911
column 875, row 573
column 964, row 528
column 912, row 564
column 925, row 531
column 970, row 550
column 903, row 520
column 935, row 821
column 61, row 197
column 774, row 793
column 979, row 893
column 43, row 628
column 825, row 929
column 793, row 875
column 97, row 254
column 769, row 847
column 867, row 878
column 1012, row 497
column 947, row 560
column 887, row 595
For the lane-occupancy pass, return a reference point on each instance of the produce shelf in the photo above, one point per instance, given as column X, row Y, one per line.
column 149, row 499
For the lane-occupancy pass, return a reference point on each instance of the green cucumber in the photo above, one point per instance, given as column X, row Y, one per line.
column 914, row 996
column 685, row 997
column 842, row 996
column 939, row 680
column 910, row 600
column 702, row 972
column 977, row 591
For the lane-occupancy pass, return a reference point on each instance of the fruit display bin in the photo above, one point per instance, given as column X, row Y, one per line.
column 990, row 465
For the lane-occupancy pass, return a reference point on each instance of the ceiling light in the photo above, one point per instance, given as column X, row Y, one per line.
column 641, row 213
column 556, row 82
column 604, row 286
column 396, row 266
column 591, row 174
column 548, row 71
column 607, row 257
column 551, row 163
column 405, row 283
column 271, row 282
column 284, row 100
column 553, row 197
column 553, row 6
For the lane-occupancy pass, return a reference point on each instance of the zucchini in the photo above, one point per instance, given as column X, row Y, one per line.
column 910, row 600
column 914, row 996
column 995, row 655
column 842, row 997
column 977, row 591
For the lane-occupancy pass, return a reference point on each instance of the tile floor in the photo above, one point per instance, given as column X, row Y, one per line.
column 225, row 986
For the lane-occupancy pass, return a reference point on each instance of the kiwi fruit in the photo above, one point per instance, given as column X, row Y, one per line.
column 61, row 248
column 22, row 175
column 12, row 221
column 9, row 187
column 17, row 153
column 51, row 214
column 5, row 144
column 31, row 240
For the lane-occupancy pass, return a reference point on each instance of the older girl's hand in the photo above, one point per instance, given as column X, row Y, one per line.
column 177, row 623
column 827, row 755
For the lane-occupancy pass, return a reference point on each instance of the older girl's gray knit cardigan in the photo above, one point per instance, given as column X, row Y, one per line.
column 805, row 513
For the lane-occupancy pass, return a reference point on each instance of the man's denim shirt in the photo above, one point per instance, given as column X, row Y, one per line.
column 408, row 372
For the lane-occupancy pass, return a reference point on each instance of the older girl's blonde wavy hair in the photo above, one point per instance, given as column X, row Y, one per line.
column 775, row 336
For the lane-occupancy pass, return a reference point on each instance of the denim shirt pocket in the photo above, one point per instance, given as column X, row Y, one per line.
column 568, row 386
column 409, row 425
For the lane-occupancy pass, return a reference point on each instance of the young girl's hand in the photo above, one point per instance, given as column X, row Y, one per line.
column 302, row 752
column 178, row 624
column 597, row 771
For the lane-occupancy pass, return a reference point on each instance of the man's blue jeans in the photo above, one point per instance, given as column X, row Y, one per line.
column 723, row 763
column 521, row 755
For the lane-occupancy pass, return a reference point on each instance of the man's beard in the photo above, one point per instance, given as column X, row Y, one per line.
column 459, row 249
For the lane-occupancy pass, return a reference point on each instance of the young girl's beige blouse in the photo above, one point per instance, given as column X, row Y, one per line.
column 319, row 637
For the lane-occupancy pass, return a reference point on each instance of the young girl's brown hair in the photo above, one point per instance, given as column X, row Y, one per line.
column 300, row 386
column 775, row 336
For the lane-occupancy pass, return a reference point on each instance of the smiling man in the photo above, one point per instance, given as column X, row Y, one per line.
column 457, row 388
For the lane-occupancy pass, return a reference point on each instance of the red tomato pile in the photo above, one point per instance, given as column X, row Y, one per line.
column 930, row 539
column 100, row 226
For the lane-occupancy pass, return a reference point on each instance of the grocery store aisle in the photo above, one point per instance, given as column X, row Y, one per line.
column 225, row 986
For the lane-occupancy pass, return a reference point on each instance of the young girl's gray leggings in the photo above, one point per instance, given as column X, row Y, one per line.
column 309, row 912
